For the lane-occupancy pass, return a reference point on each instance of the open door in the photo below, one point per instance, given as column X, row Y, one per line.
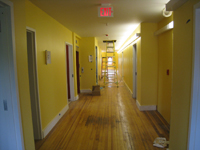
column 33, row 83
column 77, row 72
column 96, row 49
column 70, row 71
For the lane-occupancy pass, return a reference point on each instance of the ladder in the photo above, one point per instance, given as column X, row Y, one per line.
column 110, row 72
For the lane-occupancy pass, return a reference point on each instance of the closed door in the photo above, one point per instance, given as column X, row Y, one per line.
column 8, row 139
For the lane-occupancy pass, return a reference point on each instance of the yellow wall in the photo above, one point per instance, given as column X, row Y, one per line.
column 88, row 78
column 51, row 36
column 128, row 66
column 22, row 72
column 127, row 63
column 149, row 64
column 139, row 71
column 182, row 68
column 165, row 44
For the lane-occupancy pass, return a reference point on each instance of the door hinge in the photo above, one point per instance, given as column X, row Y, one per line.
column 72, row 75
column 135, row 73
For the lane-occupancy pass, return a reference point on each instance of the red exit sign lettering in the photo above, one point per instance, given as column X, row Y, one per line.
column 105, row 11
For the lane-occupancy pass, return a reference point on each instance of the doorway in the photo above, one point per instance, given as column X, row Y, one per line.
column 96, row 65
column 77, row 71
column 11, row 136
column 70, row 71
column 134, row 71
column 33, row 83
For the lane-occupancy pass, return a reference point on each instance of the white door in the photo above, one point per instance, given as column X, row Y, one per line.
column 134, row 71
column 9, row 123
column 194, row 130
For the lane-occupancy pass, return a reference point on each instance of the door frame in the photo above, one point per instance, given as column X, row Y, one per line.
column 78, row 75
column 39, row 134
column 134, row 95
column 14, row 82
column 194, row 131
column 96, row 51
column 71, row 69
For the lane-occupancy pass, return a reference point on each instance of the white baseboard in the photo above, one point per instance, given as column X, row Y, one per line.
column 54, row 121
column 128, row 88
column 86, row 91
column 145, row 107
column 76, row 98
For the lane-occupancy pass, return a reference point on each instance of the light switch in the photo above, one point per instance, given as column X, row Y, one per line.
column 48, row 57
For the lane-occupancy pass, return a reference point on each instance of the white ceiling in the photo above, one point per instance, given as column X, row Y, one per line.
column 81, row 16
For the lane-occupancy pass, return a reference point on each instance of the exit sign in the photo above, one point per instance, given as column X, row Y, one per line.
column 105, row 11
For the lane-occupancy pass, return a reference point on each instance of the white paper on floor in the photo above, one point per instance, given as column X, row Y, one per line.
column 160, row 142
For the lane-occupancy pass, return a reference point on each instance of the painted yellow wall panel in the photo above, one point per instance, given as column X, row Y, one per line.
column 139, row 70
column 127, row 63
column 182, row 75
column 128, row 67
column 51, row 36
column 22, row 72
column 88, row 78
column 149, row 64
column 165, row 46
column 120, row 65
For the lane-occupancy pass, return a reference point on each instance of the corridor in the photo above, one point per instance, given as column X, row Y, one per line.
column 110, row 121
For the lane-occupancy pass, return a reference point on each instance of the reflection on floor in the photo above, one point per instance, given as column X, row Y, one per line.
column 111, row 121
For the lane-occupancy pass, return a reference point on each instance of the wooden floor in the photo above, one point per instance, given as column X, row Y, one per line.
column 111, row 121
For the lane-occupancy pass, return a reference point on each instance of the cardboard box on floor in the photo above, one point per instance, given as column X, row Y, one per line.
column 96, row 90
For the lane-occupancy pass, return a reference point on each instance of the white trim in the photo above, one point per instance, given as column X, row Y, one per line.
column 86, row 91
column 145, row 107
column 71, row 69
column 39, row 124
column 55, row 121
column 134, row 95
column 14, row 84
column 128, row 88
column 194, row 132
column 169, row 26
column 76, row 98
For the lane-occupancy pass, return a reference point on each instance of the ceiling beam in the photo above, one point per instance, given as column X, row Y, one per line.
column 172, row 5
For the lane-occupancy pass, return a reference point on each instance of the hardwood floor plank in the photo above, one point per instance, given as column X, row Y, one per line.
column 111, row 121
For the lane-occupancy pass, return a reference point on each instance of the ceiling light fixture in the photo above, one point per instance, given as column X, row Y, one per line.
column 131, row 41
